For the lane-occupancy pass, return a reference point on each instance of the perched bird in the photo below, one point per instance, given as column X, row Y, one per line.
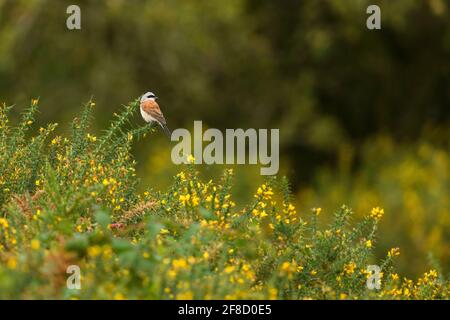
column 151, row 112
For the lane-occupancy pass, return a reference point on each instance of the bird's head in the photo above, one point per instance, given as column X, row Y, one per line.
column 148, row 95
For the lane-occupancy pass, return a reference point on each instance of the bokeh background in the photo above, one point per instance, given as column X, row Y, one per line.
column 363, row 115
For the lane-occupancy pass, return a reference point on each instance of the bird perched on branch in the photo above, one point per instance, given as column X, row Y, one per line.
column 151, row 112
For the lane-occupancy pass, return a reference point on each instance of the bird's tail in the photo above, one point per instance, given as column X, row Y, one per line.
column 166, row 130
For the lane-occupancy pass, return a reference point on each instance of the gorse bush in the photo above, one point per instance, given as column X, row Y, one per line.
column 74, row 201
column 412, row 184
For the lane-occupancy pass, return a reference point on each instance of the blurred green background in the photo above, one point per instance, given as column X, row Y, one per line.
column 363, row 115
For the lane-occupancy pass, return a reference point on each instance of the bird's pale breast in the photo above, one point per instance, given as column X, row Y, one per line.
column 150, row 110
column 146, row 116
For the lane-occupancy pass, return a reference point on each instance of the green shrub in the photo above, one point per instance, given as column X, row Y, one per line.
column 74, row 201
column 411, row 182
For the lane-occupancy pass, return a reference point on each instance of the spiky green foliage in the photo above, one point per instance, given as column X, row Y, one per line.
column 74, row 201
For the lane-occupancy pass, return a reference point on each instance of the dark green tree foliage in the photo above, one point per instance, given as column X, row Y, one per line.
column 310, row 67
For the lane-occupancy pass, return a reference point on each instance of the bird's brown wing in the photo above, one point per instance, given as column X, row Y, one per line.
column 152, row 108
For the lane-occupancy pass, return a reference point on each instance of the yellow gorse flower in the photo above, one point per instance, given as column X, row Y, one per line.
column 180, row 264
column 4, row 223
column 394, row 252
column 35, row 244
column 190, row 159
column 349, row 268
column 377, row 213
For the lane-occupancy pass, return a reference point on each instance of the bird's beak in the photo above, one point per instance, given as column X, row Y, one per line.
column 156, row 98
